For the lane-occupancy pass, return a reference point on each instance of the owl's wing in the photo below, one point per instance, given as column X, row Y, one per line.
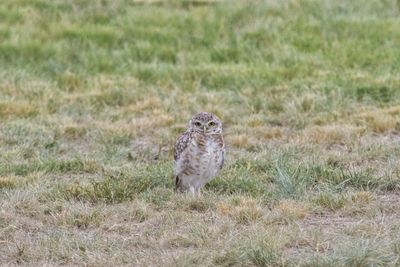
column 221, row 144
column 181, row 144
column 222, row 160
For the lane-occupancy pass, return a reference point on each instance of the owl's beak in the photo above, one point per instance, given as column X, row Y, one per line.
column 204, row 128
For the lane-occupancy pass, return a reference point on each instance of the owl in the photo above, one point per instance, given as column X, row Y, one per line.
column 198, row 153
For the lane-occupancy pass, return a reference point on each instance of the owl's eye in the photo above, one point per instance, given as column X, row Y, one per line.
column 211, row 124
column 198, row 124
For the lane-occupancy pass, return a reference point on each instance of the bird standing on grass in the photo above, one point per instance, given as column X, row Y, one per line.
column 198, row 153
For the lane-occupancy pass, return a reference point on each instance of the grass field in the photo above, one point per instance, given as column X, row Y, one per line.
column 94, row 93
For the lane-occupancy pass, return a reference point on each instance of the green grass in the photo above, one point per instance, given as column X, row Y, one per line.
column 93, row 95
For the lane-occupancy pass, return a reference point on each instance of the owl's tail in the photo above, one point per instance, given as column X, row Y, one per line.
column 178, row 184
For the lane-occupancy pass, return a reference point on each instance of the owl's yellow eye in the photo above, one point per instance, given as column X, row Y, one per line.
column 198, row 124
column 211, row 124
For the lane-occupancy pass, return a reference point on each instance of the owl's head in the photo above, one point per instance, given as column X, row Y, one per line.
column 206, row 123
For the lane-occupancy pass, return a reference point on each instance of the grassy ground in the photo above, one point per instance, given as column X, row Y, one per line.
column 94, row 93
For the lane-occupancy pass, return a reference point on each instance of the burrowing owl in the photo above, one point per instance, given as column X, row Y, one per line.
column 199, row 153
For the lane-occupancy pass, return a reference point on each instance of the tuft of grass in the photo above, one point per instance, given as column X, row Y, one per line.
column 262, row 255
column 12, row 181
column 243, row 210
column 256, row 252
column 6, row 182
column 85, row 219
column 382, row 94
column 288, row 209
column 330, row 201
column 367, row 253
column 380, row 122
column 70, row 81
column 292, row 184
column 74, row 131
column 362, row 197
column 17, row 110
column 261, row 252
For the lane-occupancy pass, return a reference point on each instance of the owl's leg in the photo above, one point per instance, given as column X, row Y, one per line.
column 198, row 191
column 178, row 184
column 192, row 190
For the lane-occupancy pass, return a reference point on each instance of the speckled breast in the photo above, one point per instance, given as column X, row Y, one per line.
column 207, row 156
